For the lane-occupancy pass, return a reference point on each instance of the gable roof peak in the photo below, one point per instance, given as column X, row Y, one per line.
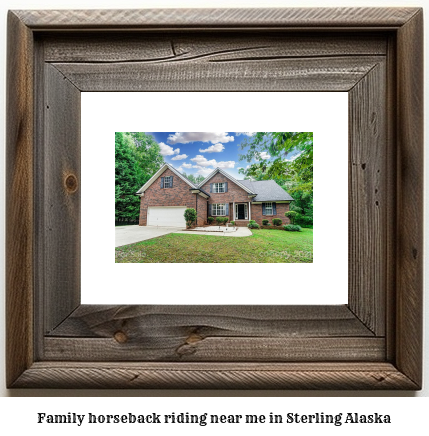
column 228, row 176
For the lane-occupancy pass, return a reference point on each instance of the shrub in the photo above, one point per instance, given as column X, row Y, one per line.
column 190, row 216
column 253, row 224
column 265, row 222
column 277, row 221
column 210, row 219
column 304, row 220
column 292, row 228
column 221, row 220
column 233, row 223
column 292, row 215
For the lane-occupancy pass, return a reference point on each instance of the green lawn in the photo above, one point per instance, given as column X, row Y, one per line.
column 264, row 246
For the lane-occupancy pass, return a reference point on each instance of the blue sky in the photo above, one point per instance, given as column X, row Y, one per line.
column 201, row 152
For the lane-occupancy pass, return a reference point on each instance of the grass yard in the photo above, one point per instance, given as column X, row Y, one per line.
column 265, row 246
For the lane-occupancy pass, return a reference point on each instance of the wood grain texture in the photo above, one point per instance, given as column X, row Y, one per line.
column 367, row 199
column 213, row 333
column 19, row 200
column 207, row 18
column 409, row 279
column 61, row 169
column 194, row 348
column 324, row 74
column 99, row 321
column 391, row 192
column 215, row 376
column 175, row 47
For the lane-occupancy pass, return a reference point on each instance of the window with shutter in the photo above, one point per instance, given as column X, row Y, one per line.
column 219, row 188
column 268, row 208
column 168, row 182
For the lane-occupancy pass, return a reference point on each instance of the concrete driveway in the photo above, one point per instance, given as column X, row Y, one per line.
column 125, row 235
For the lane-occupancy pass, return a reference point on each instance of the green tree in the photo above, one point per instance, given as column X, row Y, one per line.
column 303, row 204
column 127, row 180
column 194, row 179
column 291, row 158
column 148, row 155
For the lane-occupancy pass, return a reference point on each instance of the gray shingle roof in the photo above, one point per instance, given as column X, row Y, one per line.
column 267, row 190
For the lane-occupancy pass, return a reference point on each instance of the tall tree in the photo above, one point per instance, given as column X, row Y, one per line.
column 290, row 157
column 127, row 180
column 148, row 155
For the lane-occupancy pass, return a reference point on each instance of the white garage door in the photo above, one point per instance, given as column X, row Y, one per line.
column 166, row 216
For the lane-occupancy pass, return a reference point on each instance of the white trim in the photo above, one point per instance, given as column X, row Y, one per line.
column 158, row 173
column 249, row 212
column 197, row 191
column 214, row 188
column 218, row 170
column 272, row 201
column 224, row 207
column 272, row 209
column 246, row 211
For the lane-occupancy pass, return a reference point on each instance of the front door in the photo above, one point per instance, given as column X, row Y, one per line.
column 240, row 212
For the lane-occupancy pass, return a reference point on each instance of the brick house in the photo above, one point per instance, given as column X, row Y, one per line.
column 164, row 198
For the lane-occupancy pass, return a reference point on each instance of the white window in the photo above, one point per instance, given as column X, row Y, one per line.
column 167, row 182
column 268, row 208
column 218, row 209
column 218, row 188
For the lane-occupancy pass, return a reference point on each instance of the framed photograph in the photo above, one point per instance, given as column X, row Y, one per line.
column 58, row 60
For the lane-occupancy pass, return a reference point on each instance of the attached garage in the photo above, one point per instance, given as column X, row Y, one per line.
column 166, row 216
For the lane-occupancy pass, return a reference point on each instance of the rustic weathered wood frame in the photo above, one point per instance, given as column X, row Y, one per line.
column 374, row 342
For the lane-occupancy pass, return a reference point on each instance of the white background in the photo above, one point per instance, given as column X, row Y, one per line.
column 19, row 412
column 106, row 282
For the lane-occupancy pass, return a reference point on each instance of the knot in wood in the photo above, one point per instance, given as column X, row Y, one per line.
column 120, row 337
column 71, row 183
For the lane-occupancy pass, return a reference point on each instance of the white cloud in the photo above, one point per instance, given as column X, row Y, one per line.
column 264, row 155
column 217, row 148
column 185, row 165
column 179, row 157
column 166, row 150
column 204, row 171
column 203, row 162
column 177, row 151
column 228, row 164
column 292, row 158
column 186, row 137
column 245, row 133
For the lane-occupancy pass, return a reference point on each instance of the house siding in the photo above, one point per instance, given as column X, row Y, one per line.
column 178, row 195
column 234, row 194
column 239, row 195
column 256, row 213
column 202, row 210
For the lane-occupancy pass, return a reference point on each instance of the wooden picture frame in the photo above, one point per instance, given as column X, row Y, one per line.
column 373, row 342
